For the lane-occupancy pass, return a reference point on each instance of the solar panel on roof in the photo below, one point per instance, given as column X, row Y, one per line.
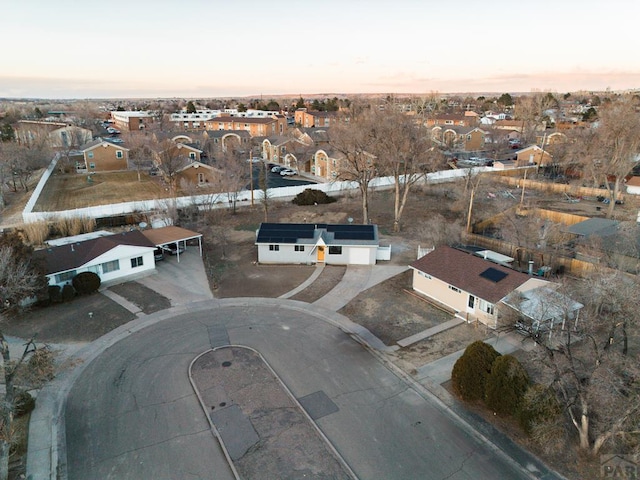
column 493, row 274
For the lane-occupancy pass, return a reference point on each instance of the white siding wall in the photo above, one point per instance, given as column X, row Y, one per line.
column 123, row 254
column 286, row 253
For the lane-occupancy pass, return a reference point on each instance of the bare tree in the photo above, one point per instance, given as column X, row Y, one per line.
column 354, row 140
column 140, row 151
column 531, row 110
column 590, row 368
column 611, row 147
column 404, row 151
column 20, row 279
column 170, row 159
column 237, row 171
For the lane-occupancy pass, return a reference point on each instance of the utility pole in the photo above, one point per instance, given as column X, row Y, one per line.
column 251, row 173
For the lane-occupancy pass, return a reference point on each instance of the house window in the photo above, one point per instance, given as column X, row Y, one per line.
column 468, row 137
column 111, row 266
column 335, row 250
column 192, row 155
column 457, row 290
column 119, row 154
column 65, row 276
column 136, row 262
column 299, row 248
column 89, row 154
column 200, row 177
column 487, row 307
column 274, row 248
column 92, row 165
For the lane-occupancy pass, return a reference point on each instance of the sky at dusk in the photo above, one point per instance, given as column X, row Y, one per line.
column 216, row 48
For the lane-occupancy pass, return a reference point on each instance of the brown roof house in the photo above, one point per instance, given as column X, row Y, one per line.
column 464, row 138
column 307, row 119
column 102, row 156
column 533, row 155
column 633, row 185
column 198, row 174
column 257, row 127
column 111, row 256
column 469, row 285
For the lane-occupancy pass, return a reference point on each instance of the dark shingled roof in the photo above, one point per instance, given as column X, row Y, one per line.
column 309, row 233
column 74, row 255
column 470, row 273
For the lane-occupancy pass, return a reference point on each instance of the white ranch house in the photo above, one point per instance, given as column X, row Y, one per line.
column 307, row 243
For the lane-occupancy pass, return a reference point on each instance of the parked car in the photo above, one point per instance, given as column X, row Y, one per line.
column 158, row 254
column 115, row 140
column 286, row 172
column 113, row 131
column 277, row 169
column 173, row 249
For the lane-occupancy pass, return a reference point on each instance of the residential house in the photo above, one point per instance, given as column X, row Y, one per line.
column 550, row 138
column 614, row 242
column 516, row 125
column 533, row 155
column 193, row 121
column 57, row 135
column 132, row 121
column 470, row 286
column 102, row 156
column 306, row 243
column 314, row 119
column 198, row 174
column 111, row 257
column 217, row 142
column 69, row 137
column 256, row 126
column 285, row 150
column 633, row 185
column 450, row 120
column 327, row 164
column 463, row 138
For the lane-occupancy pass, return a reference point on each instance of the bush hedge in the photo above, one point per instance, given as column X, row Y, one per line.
column 86, row 283
column 68, row 293
column 311, row 196
column 471, row 370
column 23, row 403
column 506, row 385
column 539, row 403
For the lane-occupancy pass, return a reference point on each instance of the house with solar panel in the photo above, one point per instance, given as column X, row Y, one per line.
column 474, row 288
column 307, row 243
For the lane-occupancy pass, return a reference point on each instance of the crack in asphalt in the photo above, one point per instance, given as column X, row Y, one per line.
column 144, row 447
column 143, row 406
column 461, row 467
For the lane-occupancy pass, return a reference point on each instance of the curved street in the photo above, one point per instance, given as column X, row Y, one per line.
column 132, row 412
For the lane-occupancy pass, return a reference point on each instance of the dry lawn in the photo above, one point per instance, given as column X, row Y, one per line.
column 69, row 191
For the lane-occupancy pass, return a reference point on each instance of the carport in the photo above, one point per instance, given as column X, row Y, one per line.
column 177, row 236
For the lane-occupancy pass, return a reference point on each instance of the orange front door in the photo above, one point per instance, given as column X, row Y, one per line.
column 321, row 254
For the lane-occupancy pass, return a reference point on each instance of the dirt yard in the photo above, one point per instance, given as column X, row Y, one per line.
column 104, row 188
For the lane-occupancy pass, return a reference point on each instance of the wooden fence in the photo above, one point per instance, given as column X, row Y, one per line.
column 560, row 188
column 522, row 256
